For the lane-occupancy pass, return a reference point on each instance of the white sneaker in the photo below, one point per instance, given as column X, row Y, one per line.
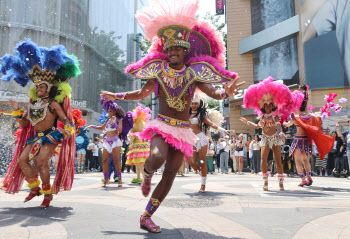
column 326, row 174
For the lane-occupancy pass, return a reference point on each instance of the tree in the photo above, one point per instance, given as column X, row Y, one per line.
column 213, row 104
column 105, row 44
column 219, row 26
column 143, row 43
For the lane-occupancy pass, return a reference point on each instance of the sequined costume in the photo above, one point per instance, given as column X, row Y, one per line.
column 54, row 68
column 312, row 126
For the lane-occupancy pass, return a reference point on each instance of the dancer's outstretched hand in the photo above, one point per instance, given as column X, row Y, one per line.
column 107, row 96
column 14, row 104
column 232, row 88
column 244, row 120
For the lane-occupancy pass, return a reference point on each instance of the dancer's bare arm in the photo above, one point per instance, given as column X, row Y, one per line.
column 207, row 121
column 249, row 123
column 61, row 116
column 145, row 91
column 289, row 123
column 211, row 91
column 102, row 127
column 23, row 122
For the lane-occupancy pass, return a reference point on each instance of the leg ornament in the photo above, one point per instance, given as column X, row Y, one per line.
column 120, row 182
column 280, row 178
column 46, row 190
column 145, row 219
column 303, row 181
column 309, row 179
column 203, row 182
column 146, row 184
column 266, row 180
column 33, row 184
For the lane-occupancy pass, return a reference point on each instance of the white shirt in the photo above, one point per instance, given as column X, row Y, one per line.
column 225, row 146
column 254, row 145
column 96, row 149
column 335, row 145
column 335, row 15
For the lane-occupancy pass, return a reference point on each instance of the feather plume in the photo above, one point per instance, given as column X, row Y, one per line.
column 162, row 13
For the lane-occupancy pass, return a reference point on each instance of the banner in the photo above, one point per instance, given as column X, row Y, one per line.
column 220, row 6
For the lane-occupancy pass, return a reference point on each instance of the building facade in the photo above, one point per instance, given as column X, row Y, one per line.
column 277, row 38
column 100, row 33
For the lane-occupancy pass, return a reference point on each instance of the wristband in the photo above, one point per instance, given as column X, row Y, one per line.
column 224, row 95
column 120, row 96
column 17, row 113
column 220, row 129
column 248, row 122
column 94, row 126
column 282, row 134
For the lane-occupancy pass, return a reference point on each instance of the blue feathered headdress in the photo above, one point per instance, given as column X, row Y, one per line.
column 56, row 60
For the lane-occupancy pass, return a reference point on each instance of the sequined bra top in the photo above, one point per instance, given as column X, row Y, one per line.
column 264, row 122
column 111, row 126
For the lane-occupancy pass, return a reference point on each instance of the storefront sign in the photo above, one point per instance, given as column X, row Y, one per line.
column 78, row 103
column 19, row 97
column 6, row 95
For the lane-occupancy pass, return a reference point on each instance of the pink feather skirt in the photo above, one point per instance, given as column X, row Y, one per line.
column 180, row 138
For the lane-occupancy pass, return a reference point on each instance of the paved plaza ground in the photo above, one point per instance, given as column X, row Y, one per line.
column 234, row 206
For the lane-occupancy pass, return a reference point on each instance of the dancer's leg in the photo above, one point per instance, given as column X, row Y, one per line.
column 45, row 153
column 158, row 153
column 117, row 164
column 42, row 163
column 202, row 153
column 264, row 155
column 105, row 160
column 241, row 163
column 277, row 153
column 24, row 164
column 173, row 163
column 193, row 160
column 300, row 157
column 174, row 160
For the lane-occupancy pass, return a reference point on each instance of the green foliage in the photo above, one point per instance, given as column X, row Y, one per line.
column 213, row 104
column 219, row 26
column 143, row 43
column 106, row 44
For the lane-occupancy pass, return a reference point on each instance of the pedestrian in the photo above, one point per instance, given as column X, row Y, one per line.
column 255, row 145
column 89, row 156
column 239, row 154
column 224, row 155
column 247, row 143
column 346, row 139
column 95, row 151
column 332, row 155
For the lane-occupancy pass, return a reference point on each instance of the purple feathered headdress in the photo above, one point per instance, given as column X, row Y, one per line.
column 109, row 104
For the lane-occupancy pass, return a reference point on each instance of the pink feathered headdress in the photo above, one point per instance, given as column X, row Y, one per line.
column 269, row 91
column 204, row 39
